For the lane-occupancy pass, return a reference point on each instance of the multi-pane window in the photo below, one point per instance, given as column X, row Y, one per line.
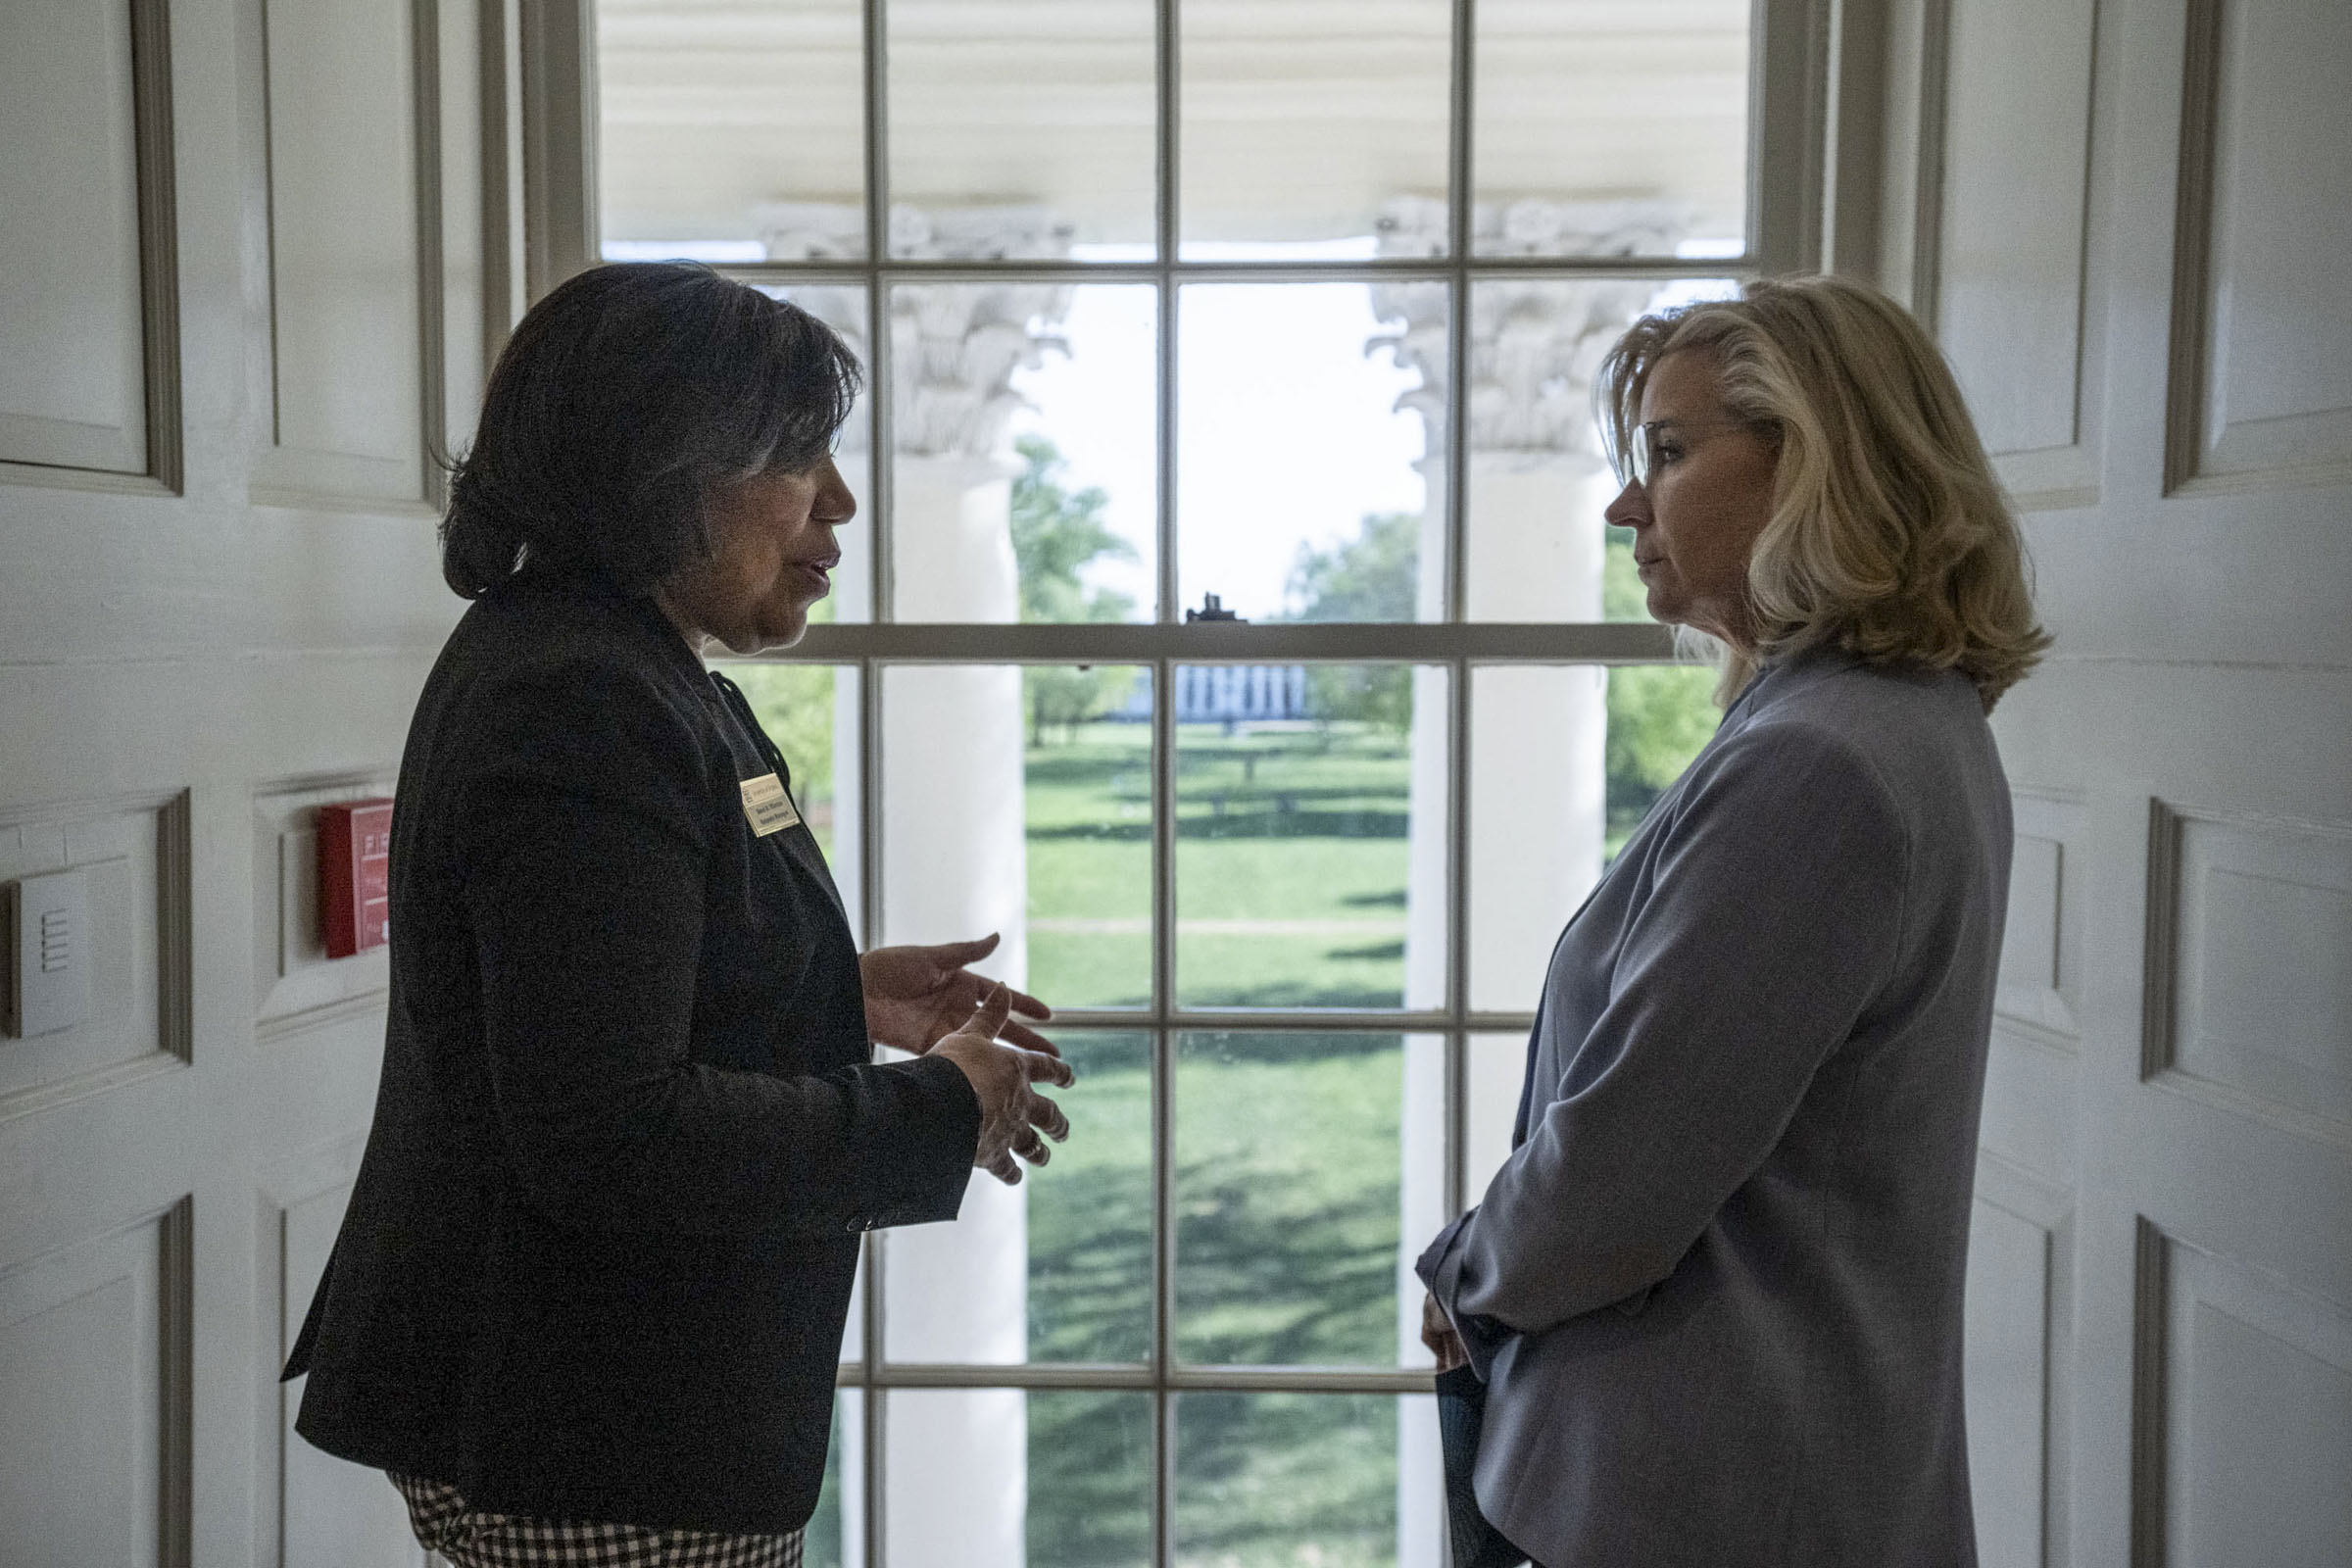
column 1297, row 304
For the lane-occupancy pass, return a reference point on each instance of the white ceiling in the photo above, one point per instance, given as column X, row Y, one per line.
column 1301, row 117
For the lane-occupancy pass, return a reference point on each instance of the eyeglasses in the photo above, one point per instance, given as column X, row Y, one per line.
column 1651, row 444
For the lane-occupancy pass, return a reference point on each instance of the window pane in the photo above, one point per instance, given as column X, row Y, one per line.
column 1019, row 801
column 1087, row 803
column 812, row 712
column 1298, row 1158
column 1311, row 836
column 1015, row 796
column 1303, row 125
column 1611, row 131
column 998, row 1478
column 1496, row 1071
column 1309, row 471
column 1564, row 761
column 1090, row 1209
column 1539, row 481
column 1339, row 1480
column 852, row 1329
column 731, row 130
column 836, row 1536
column 962, row 1292
column 1037, row 121
column 1024, row 480
column 844, row 310
column 1660, row 717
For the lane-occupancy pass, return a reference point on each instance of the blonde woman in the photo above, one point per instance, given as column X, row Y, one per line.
column 1711, row 1305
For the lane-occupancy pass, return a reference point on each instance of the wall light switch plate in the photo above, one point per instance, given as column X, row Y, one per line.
column 50, row 954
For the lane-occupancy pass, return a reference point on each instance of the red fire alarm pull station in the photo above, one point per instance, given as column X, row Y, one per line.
column 355, row 875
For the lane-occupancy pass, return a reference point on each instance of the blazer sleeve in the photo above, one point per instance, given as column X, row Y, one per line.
column 584, row 835
column 1774, row 919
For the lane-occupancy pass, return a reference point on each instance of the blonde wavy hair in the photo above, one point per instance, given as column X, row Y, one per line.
column 1889, row 537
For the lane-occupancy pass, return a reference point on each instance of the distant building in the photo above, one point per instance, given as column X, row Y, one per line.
column 1229, row 694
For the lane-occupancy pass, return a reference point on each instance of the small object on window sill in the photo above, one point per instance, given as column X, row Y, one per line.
column 1212, row 608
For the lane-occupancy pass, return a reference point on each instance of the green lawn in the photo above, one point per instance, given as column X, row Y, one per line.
column 1291, row 870
column 1290, row 867
column 1089, row 806
column 1286, row 1196
column 1285, row 1199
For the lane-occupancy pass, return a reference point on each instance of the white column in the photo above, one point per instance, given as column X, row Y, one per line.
column 852, row 1436
column 955, row 856
column 1534, row 498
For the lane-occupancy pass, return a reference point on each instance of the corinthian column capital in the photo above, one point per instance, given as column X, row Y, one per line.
column 1535, row 344
column 955, row 345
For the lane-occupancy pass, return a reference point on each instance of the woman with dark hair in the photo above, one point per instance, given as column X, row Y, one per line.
column 587, row 1300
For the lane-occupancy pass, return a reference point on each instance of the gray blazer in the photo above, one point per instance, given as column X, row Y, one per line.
column 1715, row 1293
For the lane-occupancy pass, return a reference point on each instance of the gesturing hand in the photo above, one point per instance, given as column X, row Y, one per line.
column 915, row 996
column 1014, row 1119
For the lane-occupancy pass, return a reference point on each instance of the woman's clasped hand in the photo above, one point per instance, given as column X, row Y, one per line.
column 923, row 999
column 1016, row 1120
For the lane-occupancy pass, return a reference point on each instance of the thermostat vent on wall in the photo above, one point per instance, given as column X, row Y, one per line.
column 355, row 875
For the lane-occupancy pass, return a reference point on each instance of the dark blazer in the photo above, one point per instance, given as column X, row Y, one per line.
column 1715, row 1293
column 600, row 1250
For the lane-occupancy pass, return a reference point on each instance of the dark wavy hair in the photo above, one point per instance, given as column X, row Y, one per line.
column 623, row 399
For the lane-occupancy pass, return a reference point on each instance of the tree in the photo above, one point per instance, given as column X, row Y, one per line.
column 1056, row 533
column 1374, row 576
column 1659, row 715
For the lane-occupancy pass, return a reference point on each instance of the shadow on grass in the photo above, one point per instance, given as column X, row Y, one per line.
column 1258, row 1474
column 1259, row 822
column 1254, row 820
column 1286, row 994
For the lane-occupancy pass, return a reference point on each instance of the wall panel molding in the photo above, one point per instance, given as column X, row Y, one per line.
column 2033, row 1092
column 2248, row 1002
column 2018, row 1362
column 2009, row 99
column 108, row 418
column 159, row 238
column 2259, row 156
column 135, row 850
column 313, row 1507
column 356, row 361
column 2039, row 987
column 96, row 1400
column 2241, row 1411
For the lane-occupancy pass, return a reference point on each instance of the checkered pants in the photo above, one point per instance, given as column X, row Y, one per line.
column 471, row 1537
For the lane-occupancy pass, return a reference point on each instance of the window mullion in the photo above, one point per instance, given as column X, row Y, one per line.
column 1788, row 99
column 880, row 440
column 1163, row 1105
column 1457, row 932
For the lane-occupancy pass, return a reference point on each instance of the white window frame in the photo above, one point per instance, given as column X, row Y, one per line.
column 1795, row 73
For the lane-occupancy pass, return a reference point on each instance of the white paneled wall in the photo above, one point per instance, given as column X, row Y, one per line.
column 247, row 289
column 244, row 293
column 2262, row 375
column 74, row 315
column 347, row 93
column 2127, row 221
column 2010, row 235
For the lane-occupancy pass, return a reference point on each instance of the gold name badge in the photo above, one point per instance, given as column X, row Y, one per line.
column 766, row 807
